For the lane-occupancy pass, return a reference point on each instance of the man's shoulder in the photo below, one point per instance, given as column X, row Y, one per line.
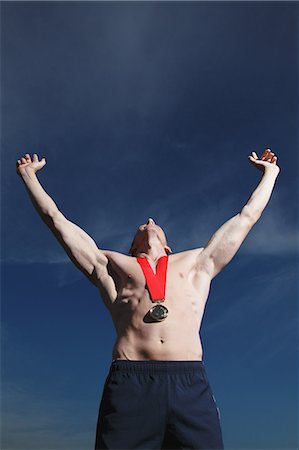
column 194, row 260
column 118, row 257
column 187, row 254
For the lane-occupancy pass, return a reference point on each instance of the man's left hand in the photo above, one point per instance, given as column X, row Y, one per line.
column 267, row 161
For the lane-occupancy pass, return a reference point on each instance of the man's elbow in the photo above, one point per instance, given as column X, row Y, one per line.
column 250, row 214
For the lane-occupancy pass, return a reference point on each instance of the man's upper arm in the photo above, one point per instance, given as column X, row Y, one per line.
column 224, row 244
column 80, row 247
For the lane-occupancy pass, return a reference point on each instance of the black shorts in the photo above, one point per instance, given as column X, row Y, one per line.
column 158, row 405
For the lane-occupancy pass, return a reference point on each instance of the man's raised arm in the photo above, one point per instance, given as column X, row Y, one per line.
column 79, row 246
column 225, row 243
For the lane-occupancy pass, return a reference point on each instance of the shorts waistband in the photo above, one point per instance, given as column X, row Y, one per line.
column 154, row 366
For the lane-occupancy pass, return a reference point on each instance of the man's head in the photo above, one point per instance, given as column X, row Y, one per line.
column 148, row 231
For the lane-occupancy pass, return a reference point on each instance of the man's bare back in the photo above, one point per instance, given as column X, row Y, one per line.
column 138, row 336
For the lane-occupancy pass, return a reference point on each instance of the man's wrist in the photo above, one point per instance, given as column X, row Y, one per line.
column 28, row 175
column 271, row 171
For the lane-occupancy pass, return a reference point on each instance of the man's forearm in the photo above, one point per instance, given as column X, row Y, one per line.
column 42, row 202
column 261, row 196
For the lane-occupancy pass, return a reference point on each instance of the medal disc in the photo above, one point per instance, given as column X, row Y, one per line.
column 158, row 312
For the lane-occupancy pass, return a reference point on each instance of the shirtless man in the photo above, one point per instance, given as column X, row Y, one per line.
column 157, row 394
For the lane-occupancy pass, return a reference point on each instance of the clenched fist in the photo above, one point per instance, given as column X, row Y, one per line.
column 26, row 163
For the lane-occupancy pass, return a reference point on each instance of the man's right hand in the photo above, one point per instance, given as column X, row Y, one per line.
column 26, row 163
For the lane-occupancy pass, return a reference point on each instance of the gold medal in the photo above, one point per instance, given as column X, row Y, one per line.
column 158, row 313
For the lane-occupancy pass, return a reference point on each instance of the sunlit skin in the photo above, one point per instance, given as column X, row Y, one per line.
column 120, row 279
column 150, row 241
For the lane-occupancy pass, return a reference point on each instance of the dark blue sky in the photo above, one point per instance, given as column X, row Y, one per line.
column 148, row 109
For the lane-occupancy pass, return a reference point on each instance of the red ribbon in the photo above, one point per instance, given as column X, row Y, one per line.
column 156, row 283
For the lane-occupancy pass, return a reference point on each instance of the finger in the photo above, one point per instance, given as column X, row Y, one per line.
column 254, row 161
column 266, row 153
column 23, row 160
column 265, row 157
column 18, row 162
column 255, row 155
column 270, row 155
column 35, row 157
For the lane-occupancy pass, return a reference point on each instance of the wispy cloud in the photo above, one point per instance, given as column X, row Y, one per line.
column 264, row 303
column 32, row 422
column 273, row 234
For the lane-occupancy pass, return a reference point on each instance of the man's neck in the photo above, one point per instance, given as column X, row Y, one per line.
column 151, row 255
column 153, row 252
